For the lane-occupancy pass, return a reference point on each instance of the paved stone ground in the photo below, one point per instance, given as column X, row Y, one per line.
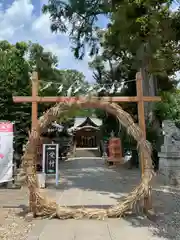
column 89, row 182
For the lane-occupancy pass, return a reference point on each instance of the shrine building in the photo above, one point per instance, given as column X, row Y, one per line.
column 87, row 132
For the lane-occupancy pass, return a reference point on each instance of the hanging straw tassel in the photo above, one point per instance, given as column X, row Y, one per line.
column 77, row 89
column 101, row 89
column 119, row 89
column 112, row 89
column 91, row 88
column 60, row 88
column 46, row 86
column 69, row 91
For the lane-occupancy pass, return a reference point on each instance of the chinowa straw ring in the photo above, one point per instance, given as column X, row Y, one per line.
column 43, row 206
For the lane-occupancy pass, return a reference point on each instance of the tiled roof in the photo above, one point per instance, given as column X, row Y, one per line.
column 80, row 120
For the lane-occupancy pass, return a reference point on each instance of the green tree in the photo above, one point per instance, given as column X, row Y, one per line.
column 141, row 34
column 44, row 61
column 17, row 61
column 168, row 108
column 14, row 81
column 65, row 79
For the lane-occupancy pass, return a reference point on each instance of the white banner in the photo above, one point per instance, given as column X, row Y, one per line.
column 6, row 152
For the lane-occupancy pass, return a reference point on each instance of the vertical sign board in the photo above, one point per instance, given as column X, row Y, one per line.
column 50, row 160
column 6, row 152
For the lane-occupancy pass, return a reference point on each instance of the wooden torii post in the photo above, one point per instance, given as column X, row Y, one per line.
column 139, row 99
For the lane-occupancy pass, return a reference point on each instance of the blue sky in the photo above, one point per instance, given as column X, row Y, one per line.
column 22, row 20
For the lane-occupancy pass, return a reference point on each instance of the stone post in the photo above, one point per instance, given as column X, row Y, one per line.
column 169, row 156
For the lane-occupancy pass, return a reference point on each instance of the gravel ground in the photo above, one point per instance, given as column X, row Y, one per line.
column 166, row 203
column 13, row 225
column 13, row 209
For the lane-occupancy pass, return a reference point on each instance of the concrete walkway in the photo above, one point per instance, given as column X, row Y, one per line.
column 90, row 183
column 91, row 229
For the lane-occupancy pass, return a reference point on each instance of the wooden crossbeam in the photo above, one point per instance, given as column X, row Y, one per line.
column 19, row 99
column 35, row 99
column 139, row 99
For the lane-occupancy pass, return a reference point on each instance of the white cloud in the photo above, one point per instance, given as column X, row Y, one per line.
column 56, row 50
column 65, row 53
column 19, row 22
column 19, row 12
column 15, row 17
column 41, row 26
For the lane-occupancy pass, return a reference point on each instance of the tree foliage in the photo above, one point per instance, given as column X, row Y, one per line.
column 141, row 34
column 168, row 108
column 16, row 62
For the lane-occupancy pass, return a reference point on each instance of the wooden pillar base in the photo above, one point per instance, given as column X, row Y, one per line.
column 151, row 215
column 148, row 209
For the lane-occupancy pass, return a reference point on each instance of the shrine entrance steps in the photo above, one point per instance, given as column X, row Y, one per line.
column 87, row 152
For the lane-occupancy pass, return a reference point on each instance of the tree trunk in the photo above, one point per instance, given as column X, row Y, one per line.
column 149, row 89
